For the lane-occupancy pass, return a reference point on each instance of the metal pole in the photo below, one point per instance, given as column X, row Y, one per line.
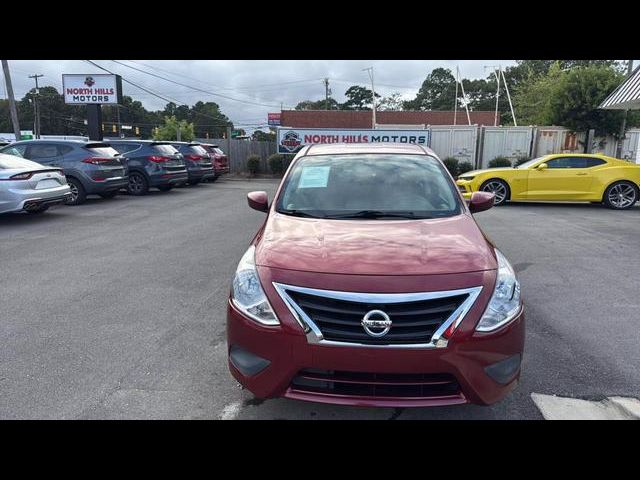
column 513, row 115
column 623, row 127
column 119, row 123
column 455, row 102
column 36, row 105
column 12, row 100
column 495, row 118
column 466, row 106
column 373, row 97
column 326, row 94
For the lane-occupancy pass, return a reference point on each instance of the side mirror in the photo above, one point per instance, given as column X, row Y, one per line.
column 542, row 167
column 258, row 201
column 481, row 201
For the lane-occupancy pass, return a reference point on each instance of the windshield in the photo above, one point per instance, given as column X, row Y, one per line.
column 104, row 150
column 218, row 151
column 529, row 163
column 368, row 186
column 164, row 148
column 197, row 149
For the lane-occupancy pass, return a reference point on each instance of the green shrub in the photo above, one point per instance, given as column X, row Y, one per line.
column 521, row 160
column 500, row 162
column 464, row 167
column 253, row 164
column 276, row 163
column 452, row 165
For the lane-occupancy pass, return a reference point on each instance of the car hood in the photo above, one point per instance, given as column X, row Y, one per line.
column 374, row 247
column 478, row 172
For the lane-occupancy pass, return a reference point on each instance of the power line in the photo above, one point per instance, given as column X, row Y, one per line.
column 177, row 102
column 237, row 89
column 195, row 88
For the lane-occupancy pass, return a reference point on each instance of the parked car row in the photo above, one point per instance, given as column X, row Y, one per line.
column 36, row 174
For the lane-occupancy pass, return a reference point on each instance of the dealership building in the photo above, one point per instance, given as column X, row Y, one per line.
column 363, row 118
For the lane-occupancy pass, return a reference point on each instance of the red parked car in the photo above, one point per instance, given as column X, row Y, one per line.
column 371, row 284
column 220, row 160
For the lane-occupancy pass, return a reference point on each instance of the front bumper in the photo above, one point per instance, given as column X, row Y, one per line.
column 467, row 357
column 466, row 188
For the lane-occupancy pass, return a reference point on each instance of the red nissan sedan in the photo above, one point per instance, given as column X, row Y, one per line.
column 371, row 284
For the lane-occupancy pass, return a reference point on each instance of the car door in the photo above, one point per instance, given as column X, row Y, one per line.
column 565, row 178
column 44, row 153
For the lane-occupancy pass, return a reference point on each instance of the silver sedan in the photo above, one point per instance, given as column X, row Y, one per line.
column 29, row 186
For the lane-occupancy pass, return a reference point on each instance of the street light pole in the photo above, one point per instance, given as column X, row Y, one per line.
column 373, row 97
column 36, row 106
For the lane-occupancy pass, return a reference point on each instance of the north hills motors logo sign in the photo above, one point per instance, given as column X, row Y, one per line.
column 84, row 89
column 291, row 140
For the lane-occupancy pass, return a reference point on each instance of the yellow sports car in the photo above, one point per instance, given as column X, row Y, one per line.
column 561, row 177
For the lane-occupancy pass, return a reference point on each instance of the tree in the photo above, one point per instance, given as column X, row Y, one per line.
column 318, row 105
column 169, row 130
column 576, row 97
column 358, row 98
column 263, row 136
column 392, row 102
column 438, row 92
column 570, row 98
column 208, row 120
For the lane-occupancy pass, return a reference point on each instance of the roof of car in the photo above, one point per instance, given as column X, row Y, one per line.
column 135, row 140
column 346, row 148
column 58, row 140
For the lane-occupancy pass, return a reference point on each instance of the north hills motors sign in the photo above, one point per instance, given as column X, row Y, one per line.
column 290, row 140
column 83, row 89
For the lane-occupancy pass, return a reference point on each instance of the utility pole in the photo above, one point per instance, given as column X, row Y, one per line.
column 455, row 103
column 119, row 123
column 12, row 100
column 495, row 117
column 623, row 127
column 327, row 92
column 373, row 97
column 506, row 87
column 36, row 106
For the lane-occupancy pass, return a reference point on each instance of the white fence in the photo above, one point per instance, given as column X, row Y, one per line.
column 480, row 145
column 455, row 141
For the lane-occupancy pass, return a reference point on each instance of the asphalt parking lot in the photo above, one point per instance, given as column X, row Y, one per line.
column 116, row 308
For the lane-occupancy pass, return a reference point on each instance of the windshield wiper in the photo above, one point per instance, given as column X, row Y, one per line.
column 296, row 213
column 376, row 214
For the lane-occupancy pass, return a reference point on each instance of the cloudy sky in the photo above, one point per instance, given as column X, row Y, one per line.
column 246, row 90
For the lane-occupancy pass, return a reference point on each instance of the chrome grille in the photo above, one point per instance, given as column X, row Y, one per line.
column 417, row 319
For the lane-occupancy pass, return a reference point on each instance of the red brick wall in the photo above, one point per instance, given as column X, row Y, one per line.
column 362, row 119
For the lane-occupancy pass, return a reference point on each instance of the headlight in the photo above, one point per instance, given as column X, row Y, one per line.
column 466, row 179
column 247, row 294
column 505, row 301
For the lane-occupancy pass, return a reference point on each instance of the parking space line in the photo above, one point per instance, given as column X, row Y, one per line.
column 231, row 411
column 553, row 407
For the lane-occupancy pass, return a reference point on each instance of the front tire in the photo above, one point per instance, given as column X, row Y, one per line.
column 138, row 184
column 499, row 188
column 621, row 195
column 78, row 193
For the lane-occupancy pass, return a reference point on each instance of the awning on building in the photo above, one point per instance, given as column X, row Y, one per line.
column 626, row 96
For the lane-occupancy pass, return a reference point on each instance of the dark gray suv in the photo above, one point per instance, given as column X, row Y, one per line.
column 91, row 168
column 151, row 164
column 198, row 161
